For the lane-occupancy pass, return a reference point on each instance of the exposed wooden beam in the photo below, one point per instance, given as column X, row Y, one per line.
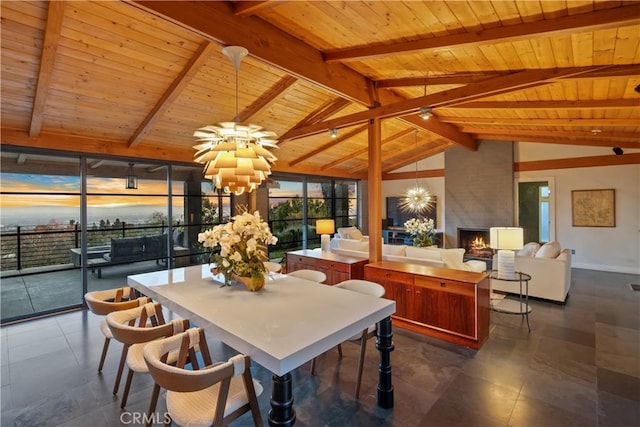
column 328, row 145
column 501, row 84
column 326, row 110
column 215, row 20
column 366, row 149
column 432, row 173
column 314, row 170
column 578, row 162
column 394, row 162
column 541, row 122
column 444, row 130
column 635, row 136
column 596, row 142
column 191, row 68
column 88, row 145
column 248, row 8
column 596, row 104
column 468, row 78
column 571, row 24
column 55, row 16
column 268, row 98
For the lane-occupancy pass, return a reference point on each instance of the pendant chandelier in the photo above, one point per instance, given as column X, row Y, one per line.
column 416, row 199
column 234, row 153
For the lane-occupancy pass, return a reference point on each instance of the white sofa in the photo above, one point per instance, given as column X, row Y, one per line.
column 434, row 257
column 549, row 268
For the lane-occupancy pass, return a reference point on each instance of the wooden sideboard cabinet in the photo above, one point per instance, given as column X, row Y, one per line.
column 338, row 268
column 448, row 304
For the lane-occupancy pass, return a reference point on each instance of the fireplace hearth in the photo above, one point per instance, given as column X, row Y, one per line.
column 475, row 241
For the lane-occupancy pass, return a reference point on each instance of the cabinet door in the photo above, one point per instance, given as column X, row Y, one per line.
column 398, row 287
column 445, row 304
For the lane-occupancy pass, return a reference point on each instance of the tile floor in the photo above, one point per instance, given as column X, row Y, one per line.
column 579, row 366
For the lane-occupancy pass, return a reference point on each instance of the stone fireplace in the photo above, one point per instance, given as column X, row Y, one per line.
column 475, row 242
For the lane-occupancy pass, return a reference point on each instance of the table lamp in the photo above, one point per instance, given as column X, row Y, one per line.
column 325, row 227
column 506, row 240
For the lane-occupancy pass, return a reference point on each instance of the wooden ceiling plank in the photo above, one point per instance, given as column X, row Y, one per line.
column 598, row 20
column 319, row 114
column 442, row 129
column 552, row 140
column 196, row 62
column 328, row 145
column 501, row 84
column 598, row 104
column 361, row 151
column 267, row 99
column 55, row 16
column 216, row 21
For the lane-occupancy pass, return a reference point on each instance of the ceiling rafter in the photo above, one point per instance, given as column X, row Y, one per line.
column 364, row 150
column 55, row 16
column 191, row 68
column 330, row 144
column 599, row 104
column 592, row 21
column 468, row 78
column 515, row 136
column 268, row 98
column 578, row 162
column 321, row 113
column 542, row 122
column 501, row 84
column 249, row 8
column 431, row 173
column 554, row 132
column 442, row 129
column 400, row 160
column 216, row 20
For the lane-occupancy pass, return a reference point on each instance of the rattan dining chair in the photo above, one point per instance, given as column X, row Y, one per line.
column 213, row 394
column 150, row 326
column 104, row 302
column 313, row 275
column 368, row 288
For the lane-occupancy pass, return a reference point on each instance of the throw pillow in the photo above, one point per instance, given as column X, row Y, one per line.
column 354, row 235
column 529, row 249
column 398, row 250
column 564, row 256
column 453, row 259
column 549, row 250
column 423, row 253
column 343, row 231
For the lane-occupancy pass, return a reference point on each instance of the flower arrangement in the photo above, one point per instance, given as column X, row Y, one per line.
column 422, row 231
column 243, row 248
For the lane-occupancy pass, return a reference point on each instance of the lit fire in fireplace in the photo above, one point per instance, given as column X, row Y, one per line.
column 478, row 243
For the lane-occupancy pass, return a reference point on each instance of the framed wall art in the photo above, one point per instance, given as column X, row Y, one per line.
column 593, row 208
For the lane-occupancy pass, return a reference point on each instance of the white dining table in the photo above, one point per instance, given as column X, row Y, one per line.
column 284, row 325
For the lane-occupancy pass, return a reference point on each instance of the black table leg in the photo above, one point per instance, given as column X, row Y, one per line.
column 282, row 412
column 384, row 344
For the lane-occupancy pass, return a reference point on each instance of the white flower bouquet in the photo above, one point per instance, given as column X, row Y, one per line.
column 422, row 230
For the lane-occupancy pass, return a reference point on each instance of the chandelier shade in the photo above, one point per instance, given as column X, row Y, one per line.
column 234, row 153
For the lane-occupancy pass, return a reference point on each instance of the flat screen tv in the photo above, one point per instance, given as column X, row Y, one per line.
column 396, row 217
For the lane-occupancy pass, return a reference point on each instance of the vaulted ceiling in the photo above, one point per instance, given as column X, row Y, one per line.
column 135, row 79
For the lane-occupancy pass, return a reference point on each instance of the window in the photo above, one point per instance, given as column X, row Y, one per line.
column 296, row 203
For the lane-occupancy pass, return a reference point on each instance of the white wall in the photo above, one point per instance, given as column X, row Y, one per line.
column 596, row 248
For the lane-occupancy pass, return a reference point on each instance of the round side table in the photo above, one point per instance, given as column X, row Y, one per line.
column 521, row 306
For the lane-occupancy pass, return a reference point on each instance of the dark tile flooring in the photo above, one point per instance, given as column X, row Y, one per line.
column 579, row 366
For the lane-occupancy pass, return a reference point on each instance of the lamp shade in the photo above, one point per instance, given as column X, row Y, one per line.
column 325, row 226
column 511, row 238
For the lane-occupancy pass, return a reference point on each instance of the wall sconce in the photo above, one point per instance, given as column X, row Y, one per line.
column 131, row 180
column 325, row 227
column 333, row 132
column 425, row 113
